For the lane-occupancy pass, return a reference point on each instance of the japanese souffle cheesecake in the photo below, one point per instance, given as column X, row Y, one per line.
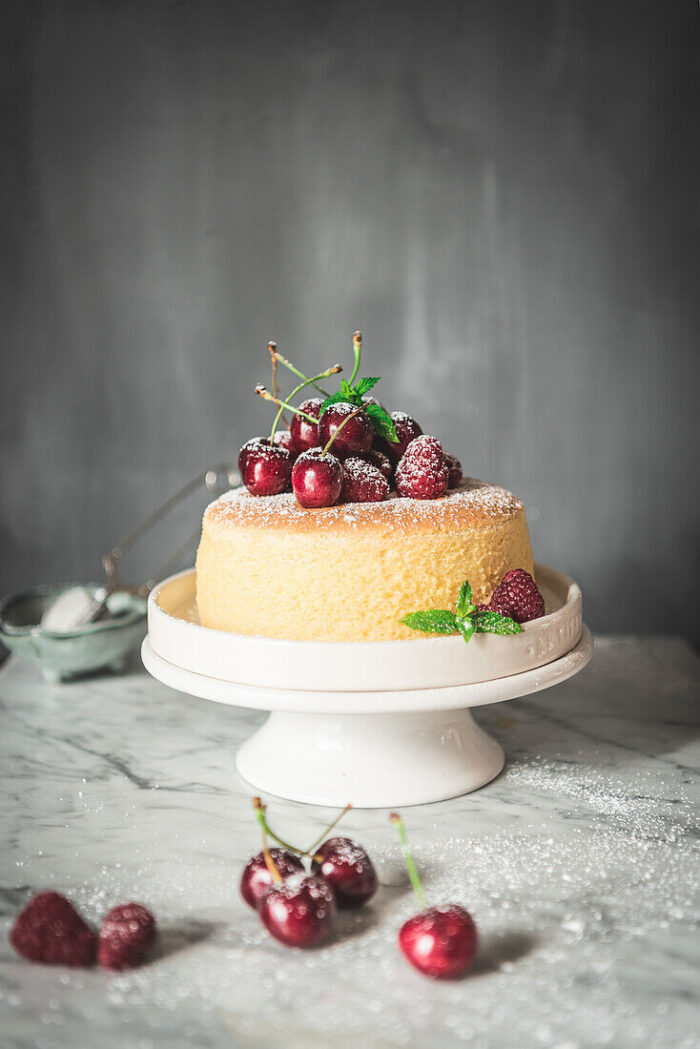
column 352, row 520
column 268, row 566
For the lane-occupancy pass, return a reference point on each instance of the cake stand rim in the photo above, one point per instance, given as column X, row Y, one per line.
column 451, row 697
column 352, row 666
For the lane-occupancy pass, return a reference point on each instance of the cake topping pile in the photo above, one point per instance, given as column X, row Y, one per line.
column 343, row 447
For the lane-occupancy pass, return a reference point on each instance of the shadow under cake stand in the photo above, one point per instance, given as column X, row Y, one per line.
column 380, row 724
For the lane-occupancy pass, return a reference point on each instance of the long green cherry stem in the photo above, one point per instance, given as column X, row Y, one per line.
column 267, row 830
column 408, row 859
column 272, row 347
column 333, row 370
column 344, row 423
column 357, row 350
column 299, row 374
column 267, row 396
column 312, row 848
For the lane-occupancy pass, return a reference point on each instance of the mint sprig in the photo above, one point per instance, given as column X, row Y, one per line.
column 467, row 620
column 435, row 621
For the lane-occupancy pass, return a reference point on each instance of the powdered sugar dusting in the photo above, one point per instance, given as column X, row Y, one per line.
column 472, row 502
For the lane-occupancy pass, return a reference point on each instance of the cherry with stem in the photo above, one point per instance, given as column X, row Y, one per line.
column 439, row 942
column 333, row 370
column 344, row 423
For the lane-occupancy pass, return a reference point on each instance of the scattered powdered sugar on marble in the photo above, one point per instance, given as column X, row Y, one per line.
column 471, row 498
column 580, row 866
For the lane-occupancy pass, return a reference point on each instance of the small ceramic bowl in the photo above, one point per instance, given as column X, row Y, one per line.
column 105, row 644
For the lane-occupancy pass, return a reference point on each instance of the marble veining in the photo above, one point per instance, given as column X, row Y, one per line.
column 580, row 864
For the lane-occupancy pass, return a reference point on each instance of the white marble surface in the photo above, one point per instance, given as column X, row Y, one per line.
column 580, row 864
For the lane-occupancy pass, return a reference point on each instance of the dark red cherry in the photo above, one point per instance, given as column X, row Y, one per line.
column 356, row 435
column 305, row 434
column 254, row 442
column 268, row 469
column 348, row 868
column 407, row 429
column 440, row 942
column 454, row 469
column 362, row 482
column 256, row 878
column 284, row 439
column 300, row 911
column 317, row 479
column 381, row 461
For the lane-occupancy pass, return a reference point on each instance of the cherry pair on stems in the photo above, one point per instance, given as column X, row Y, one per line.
column 297, row 908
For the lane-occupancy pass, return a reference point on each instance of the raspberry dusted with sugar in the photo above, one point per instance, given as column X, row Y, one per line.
column 50, row 930
column 422, row 472
column 128, row 932
column 363, row 483
column 517, row 596
column 454, row 469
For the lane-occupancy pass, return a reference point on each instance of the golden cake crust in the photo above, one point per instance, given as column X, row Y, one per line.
column 471, row 504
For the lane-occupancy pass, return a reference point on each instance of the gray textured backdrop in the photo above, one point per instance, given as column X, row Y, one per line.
column 502, row 195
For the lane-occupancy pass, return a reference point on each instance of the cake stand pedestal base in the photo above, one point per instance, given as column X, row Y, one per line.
column 377, row 749
column 382, row 761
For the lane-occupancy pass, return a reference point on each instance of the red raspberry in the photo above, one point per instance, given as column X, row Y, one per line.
column 517, row 596
column 50, row 930
column 362, row 482
column 422, row 473
column 128, row 932
column 454, row 468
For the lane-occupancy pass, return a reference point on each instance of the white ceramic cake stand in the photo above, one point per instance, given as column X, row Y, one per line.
column 377, row 748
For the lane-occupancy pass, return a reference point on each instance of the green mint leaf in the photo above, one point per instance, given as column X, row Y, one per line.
column 464, row 601
column 435, row 621
column 466, row 628
column 495, row 623
column 363, row 386
column 349, row 393
column 335, row 398
column 381, row 421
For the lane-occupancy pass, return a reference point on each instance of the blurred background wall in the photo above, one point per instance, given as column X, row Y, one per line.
column 502, row 195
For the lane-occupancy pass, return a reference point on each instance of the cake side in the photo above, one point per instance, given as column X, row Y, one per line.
column 350, row 572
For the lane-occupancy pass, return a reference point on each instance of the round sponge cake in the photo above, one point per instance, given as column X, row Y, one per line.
column 266, row 566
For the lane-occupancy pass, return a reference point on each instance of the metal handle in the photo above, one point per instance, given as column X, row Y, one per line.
column 217, row 480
